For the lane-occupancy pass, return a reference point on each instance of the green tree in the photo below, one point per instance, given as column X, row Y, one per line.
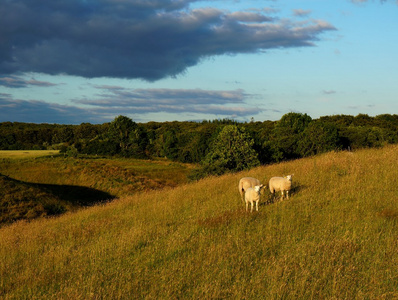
column 119, row 131
column 232, row 150
column 85, row 131
column 285, row 136
column 261, row 132
column 62, row 134
column 319, row 137
column 129, row 136
column 365, row 136
column 170, row 144
column 138, row 139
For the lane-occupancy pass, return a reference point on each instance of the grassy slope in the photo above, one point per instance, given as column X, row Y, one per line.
column 26, row 201
column 47, row 186
column 115, row 176
column 20, row 200
column 336, row 238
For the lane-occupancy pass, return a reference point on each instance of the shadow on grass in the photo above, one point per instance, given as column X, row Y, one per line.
column 26, row 200
column 76, row 195
column 269, row 198
column 72, row 194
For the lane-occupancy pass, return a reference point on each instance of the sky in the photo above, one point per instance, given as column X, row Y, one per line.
column 89, row 61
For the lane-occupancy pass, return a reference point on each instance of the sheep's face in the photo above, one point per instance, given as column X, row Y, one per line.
column 289, row 177
column 257, row 188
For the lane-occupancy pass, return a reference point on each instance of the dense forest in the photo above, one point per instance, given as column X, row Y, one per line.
column 218, row 145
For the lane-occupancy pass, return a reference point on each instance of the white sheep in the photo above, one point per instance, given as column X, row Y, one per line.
column 283, row 184
column 253, row 195
column 245, row 183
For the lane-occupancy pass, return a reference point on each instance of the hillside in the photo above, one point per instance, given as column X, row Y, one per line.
column 54, row 185
column 27, row 201
column 19, row 200
column 335, row 238
column 116, row 176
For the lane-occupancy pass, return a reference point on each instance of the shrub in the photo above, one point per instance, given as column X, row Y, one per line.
column 232, row 150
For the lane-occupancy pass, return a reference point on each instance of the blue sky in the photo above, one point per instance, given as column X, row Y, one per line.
column 75, row 61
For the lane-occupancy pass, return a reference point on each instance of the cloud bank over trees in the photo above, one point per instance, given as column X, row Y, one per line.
column 115, row 99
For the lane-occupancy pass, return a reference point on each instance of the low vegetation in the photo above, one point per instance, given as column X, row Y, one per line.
column 20, row 200
column 46, row 186
column 335, row 238
column 22, row 154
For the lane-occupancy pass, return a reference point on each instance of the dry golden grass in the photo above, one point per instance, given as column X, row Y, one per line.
column 335, row 238
column 117, row 177
column 37, row 187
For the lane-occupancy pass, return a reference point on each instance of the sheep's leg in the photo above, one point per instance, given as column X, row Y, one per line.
column 247, row 206
column 256, row 205
column 252, row 207
column 287, row 194
column 282, row 196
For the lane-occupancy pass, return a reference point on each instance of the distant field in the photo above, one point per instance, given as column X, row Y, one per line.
column 18, row 154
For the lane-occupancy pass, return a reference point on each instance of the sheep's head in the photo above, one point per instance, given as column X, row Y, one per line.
column 258, row 188
column 289, row 177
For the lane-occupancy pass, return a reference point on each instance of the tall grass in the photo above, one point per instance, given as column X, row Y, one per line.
column 335, row 238
column 50, row 186
column 115, row 176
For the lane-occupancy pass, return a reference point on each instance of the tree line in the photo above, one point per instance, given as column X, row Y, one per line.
column 218, row 145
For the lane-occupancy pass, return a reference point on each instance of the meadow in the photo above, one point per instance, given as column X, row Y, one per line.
column 335, row 238
column 116, row 176
column 38, row 183
column 23, row 154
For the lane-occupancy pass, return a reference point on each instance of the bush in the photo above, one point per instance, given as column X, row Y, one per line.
column 319, row 137
column 285, row 137
column 232, row 150
column 71, row 151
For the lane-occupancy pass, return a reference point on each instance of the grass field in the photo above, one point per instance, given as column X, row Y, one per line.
column 115, row 176
column 335, row 238
column 23, row 154
column 45, row 186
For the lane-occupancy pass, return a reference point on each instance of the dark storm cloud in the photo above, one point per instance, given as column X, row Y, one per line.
column 117, row 99
column 17, row 82
column 134, row 39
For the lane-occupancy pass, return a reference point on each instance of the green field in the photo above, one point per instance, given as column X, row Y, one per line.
column 335, row 238
column 23, row 154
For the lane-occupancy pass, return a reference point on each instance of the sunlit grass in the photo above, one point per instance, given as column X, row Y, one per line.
column 115, row 176
column 19, row 154
column 335, row 238
column 52, row 185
